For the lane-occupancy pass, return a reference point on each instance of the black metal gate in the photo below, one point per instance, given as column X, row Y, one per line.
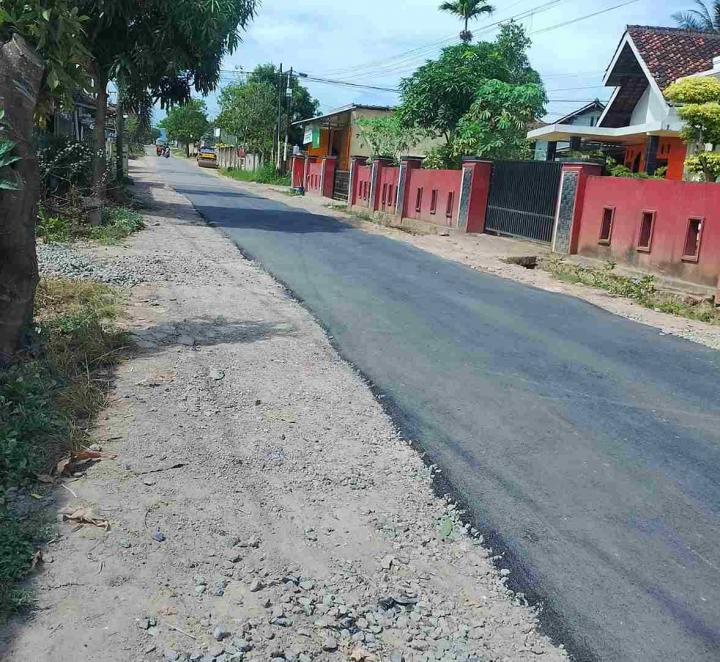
column 523, row 197
column 341, row 185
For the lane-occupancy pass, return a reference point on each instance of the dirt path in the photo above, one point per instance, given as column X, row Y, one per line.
column 261, row 505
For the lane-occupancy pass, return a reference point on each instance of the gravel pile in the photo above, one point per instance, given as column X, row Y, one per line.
column 60, row 260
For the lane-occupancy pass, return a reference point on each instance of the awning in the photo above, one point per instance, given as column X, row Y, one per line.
column 626, row 135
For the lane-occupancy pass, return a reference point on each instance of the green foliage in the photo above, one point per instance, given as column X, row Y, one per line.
column 442, row 157
column 706, row 18
column 65, row 164
column 249, row 111
column 264, row 175
column 186, row 123
column 387, row 136
column 16, row 551
column 616, row 169
column 641, row 289
column 8, row 180
column 301, row 104
column 467, row 10
column 56, row 30
column 437, row 96
column 706, row 164
column 700, row 111
column 117, row 223
column 496, row 124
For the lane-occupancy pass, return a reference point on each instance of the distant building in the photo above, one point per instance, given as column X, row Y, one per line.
column 588, row 115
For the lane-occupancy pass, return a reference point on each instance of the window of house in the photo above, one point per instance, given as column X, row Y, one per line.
column 450, row 203
column 606, row 225
column 647, row 224
column 691, row 252
column 433, row 201
column 418, row 199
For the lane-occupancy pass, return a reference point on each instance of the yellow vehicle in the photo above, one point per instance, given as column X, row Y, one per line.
column 207, row 158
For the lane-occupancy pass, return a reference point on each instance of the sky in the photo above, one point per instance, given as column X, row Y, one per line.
column 376, row 42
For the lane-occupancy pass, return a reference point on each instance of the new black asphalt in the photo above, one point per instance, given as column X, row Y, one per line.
column 585, row 445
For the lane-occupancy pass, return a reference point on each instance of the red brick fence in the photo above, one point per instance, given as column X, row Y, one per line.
column 666, row 227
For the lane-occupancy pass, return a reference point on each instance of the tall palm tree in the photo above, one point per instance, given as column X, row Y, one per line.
column 469, row 9
column 706, row 18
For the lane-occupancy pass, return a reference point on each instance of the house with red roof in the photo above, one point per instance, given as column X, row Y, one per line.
column 637, row 116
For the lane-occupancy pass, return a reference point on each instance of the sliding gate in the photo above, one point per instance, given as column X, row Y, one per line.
column 523, row 197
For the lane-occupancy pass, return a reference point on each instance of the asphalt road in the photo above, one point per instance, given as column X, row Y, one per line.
column 586, row 445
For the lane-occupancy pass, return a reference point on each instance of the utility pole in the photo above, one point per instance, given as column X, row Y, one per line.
column 279, row 118
column 288, row 108
column 119, row 136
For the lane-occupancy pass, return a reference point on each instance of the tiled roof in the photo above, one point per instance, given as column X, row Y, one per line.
column 671, row 53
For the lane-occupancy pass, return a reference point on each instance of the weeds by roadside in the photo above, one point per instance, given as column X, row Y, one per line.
column 264, row 175
column 642, row 289
column 47, row 400
column 117, row 223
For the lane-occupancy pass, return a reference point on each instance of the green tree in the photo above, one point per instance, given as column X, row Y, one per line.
column 496, row 125
column 467, row 10
column 441, row 92
column 299, row 106
column 186, row 123
column 41, row 62
column 387, row 137
column 166, row 49
column 249, row 111
column 698, row 101
column 706, row 18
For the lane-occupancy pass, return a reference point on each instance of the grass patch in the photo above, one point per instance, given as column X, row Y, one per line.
column 642, row 289
column 117, row 223
column 48, row 398
column 264, row 175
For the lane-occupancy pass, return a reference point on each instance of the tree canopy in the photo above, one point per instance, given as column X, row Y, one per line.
column 496, row 124
column 187, row 123
column 248, row 111
column 440, row 92
column 387, row 137
column 698, row 102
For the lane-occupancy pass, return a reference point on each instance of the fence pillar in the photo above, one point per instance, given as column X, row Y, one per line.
column 570, row 204
column 297, row 171
column 355, row 162
column 377, row 165
column 474, row 191
column 327, row 176
column 407, row 163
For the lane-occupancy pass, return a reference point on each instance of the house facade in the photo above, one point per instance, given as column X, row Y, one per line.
column 588, row 115
column 637, row 117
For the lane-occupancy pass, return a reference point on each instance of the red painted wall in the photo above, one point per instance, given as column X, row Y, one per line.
column 673, row 203
column 445, row 182
column 387, row 189
column 312, row 180
column 362, row 185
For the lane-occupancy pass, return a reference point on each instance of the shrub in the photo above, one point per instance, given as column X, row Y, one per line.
column 264, row 175
column 65, row 164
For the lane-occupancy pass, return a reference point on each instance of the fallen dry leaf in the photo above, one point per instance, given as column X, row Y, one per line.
column 86, row 516
column 36, row 559
column 45, row 478
column 68, row 465
column 361, row 655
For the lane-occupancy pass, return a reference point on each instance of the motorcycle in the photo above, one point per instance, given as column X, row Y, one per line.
column 166, row 152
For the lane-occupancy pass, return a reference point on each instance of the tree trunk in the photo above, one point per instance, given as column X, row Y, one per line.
column 100, row 160
column 21, row 75
column 120, row 140
column 187, row 149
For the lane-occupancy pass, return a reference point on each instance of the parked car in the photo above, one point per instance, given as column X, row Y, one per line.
column 207, row 158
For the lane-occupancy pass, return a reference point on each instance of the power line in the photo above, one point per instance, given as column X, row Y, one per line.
column 582, row 18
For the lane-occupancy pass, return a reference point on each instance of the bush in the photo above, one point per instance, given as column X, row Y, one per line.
column 66, row 225
column 263, row 175
column 65, row 164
